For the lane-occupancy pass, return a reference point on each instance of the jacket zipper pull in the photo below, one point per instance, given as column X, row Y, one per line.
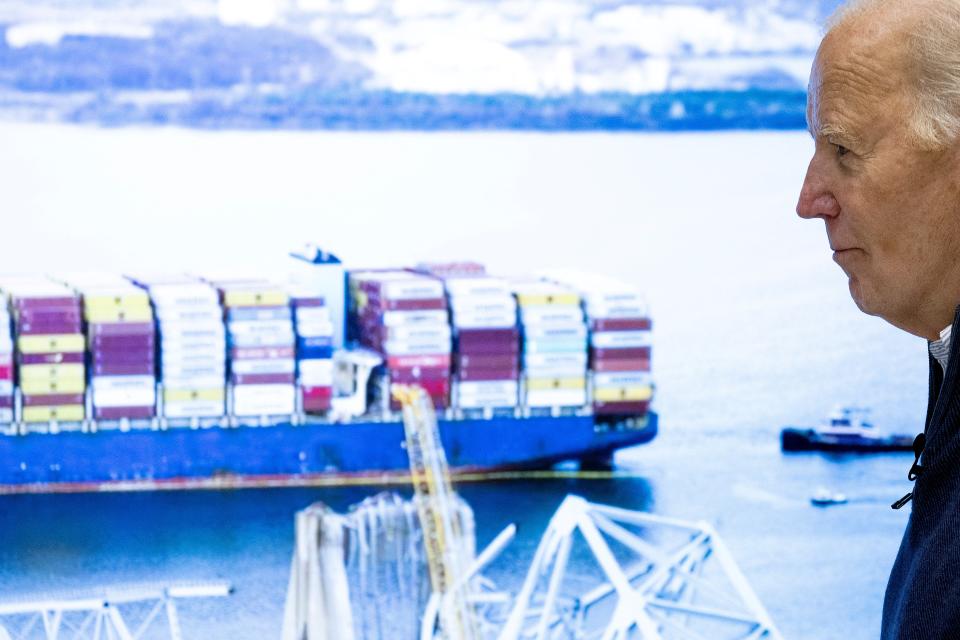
column 902, row 501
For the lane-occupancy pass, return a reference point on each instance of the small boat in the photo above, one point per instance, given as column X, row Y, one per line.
column 824, row 498
column 846, row 430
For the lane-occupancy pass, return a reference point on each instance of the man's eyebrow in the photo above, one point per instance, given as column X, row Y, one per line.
column 835, row 130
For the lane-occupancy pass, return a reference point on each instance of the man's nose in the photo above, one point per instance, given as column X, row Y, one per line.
column 816, row 199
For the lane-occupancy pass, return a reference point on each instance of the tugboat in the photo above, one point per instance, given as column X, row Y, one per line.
column 846, row 430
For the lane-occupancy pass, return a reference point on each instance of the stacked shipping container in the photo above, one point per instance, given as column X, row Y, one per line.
column 486, row 362
column 50, row 349
column 261, row 340
column 192, row 346
column 403, row 316
column 121, row 346
column 620, row 344
column 554, row 345
column 314, row 331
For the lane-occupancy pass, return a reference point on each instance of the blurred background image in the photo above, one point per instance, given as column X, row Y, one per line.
column 660, row 145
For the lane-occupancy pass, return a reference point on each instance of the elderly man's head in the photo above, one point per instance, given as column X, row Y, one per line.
column 884, row 111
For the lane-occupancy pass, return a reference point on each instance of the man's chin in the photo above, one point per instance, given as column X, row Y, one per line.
column 863, row 302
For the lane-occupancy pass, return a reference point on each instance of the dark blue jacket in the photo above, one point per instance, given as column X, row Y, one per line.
column 923, row 595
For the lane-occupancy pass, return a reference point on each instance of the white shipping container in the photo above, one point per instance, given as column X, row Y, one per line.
column 419, row 347
column 124, row 397
column 316, row 373
column 264, row 340
column 551, row 314
column 193, row 409
column 114, row 383
column 485, row 320
column 556, row 398
column 260, row 327
column 573, row 360
column 488, row 401
column 420, row 332
column 573, row 331
column 622, row 379
column 315, row 329
column 484, row 286
column 263, row 399
column 429, row 316
column 621, row 339
column 6, row 387
column 6, row 415
column 493, row 388
column 313, row 314
column 188, row 383
column 265, row 365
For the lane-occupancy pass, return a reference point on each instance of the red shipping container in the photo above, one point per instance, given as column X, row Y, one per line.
column 51, row 358
column 476, row 374
column 487, row 360
column 262, row 378
column 621, row 408
column 621, row 354
column 52, row 399
column 621, row 324
column 261, row 353
column 407, row 362
column 116, row 413
column 6, row 372
column 316, row 393
column 316, row 405
column 612, row 366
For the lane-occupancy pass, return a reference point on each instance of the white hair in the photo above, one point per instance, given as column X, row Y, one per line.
column 934, row 50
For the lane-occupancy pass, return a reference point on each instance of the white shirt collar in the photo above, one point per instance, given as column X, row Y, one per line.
column 940, row 349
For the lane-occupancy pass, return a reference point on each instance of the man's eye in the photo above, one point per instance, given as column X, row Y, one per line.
column 841, row 150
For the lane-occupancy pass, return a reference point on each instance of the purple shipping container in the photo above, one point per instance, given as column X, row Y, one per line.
column 122, row 343
column 50, row 358
column 120, row 329
column 52, row 399
column 117, row 413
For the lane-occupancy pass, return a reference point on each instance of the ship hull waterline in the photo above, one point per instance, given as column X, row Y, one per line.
column 287, row 455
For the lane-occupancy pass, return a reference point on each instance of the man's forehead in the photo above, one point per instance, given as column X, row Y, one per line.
column 851, row 82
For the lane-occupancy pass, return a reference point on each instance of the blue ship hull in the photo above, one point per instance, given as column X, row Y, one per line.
column 292, row 455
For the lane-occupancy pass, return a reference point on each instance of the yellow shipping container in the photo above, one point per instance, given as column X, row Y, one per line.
column 54, row 343
column 526, row 299
column 130, row 300
column 556, row 383
column 118, row 314
column 256, row 298
column 36, row 387
column 623, row 394
column 62, row 413
column 185, row 395
column 51, row 371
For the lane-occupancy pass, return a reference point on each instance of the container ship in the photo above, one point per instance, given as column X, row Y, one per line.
column 145, row 381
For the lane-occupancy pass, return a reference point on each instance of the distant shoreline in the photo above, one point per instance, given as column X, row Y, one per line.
column 311, row 109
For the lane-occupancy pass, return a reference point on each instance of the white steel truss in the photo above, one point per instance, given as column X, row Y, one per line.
column 104, row 616
column 689, row 590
